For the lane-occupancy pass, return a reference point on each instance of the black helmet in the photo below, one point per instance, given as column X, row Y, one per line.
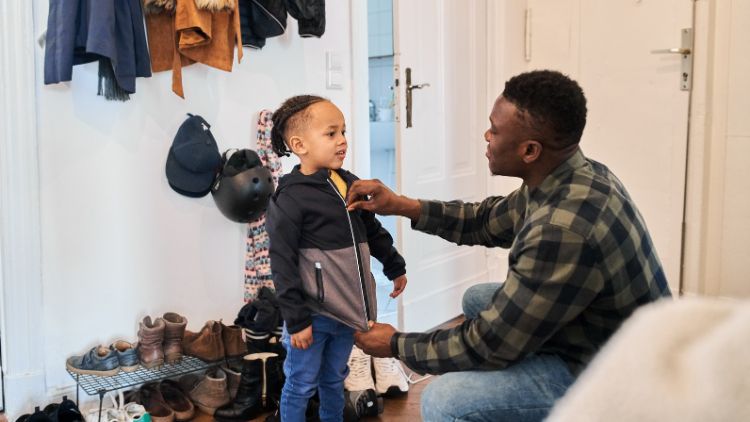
column 243, row 187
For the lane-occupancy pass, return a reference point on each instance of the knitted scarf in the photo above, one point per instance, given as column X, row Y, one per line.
column 257, row 261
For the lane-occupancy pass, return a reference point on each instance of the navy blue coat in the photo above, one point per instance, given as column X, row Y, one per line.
column 83, row 31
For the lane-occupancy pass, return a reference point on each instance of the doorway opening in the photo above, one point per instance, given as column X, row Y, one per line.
column 382, row 130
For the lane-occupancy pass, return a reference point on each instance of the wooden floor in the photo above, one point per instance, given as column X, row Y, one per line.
column 396, row 409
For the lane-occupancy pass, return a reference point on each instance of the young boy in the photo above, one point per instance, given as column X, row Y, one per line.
column 320, row 257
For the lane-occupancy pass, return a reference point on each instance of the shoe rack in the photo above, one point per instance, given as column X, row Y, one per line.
column 100, row 385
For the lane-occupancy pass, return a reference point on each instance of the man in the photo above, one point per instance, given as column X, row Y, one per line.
column 580, row 261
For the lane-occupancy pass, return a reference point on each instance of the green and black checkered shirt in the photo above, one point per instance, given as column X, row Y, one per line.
column 580, row 262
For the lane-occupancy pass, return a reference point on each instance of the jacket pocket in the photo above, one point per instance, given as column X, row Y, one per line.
column 319, row 282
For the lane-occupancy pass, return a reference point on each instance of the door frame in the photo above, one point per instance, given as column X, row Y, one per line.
column 21, row 329
column 706, row 157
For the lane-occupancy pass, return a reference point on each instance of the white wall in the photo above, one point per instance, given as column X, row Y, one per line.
column 505, row 58
column 117, row 242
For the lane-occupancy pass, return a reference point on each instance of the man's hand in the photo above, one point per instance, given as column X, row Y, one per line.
column 302, row 339
column 373, row 195
column 399, row 284
column 377, row 341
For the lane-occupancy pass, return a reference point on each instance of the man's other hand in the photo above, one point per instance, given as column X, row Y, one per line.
column 377, row 341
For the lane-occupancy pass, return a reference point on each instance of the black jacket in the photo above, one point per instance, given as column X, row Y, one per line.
column 320, row 252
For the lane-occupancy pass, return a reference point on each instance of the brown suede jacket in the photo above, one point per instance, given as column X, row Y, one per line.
column 183, row 32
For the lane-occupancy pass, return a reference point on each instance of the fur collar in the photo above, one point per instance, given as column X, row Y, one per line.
column 215, row 5
column 159, row 6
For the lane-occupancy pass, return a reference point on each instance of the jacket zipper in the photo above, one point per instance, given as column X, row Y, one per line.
column 319, row 281
column 357, row 258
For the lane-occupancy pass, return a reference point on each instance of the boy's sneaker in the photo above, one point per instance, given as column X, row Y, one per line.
column 360, row 371
column 390, row 378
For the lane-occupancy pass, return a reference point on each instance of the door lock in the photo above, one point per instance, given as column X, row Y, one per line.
column 409, row 89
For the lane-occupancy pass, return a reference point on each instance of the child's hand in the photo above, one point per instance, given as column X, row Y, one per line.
column 399, row 284
column 302, row 339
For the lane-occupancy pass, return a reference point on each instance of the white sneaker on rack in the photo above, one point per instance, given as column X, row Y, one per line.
column 360, row 371
column 390, row 377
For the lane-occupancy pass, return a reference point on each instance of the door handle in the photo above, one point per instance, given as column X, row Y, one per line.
column 672, row 51
column 409, row 89
column 685, row 50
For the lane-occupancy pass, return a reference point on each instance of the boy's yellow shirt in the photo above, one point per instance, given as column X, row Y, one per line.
column 339, row 182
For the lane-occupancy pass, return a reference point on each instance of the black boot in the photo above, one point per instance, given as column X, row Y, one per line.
column 256, row 342
column 251, row 399
column 274, row 381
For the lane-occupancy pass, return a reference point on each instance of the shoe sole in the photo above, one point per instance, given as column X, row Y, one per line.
column 130, row 368
column 153, row 365
column 394, row 391
column 171, row 359
column 107, row 373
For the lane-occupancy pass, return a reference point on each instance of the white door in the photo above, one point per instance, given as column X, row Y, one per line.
column 443, row 43
column 637, row 113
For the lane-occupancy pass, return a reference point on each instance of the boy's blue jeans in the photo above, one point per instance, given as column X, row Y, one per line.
column 523, row 392
column 322, row 367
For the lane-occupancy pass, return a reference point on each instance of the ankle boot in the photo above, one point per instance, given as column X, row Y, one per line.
column 206, row 344
column 209, row 391
column 150, row 339
column 252, row 396
column 234, row 375
column 173, row 334
column 231, row 336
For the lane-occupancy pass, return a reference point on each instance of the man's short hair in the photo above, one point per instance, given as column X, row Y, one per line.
column 550, row 104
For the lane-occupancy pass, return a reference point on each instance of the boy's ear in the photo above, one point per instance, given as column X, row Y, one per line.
column 296, row 145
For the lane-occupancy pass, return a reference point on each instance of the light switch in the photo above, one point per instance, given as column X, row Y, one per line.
column 334, row 70
column 335, row 79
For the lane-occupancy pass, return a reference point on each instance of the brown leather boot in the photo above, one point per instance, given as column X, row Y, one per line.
column 208, row 392
column 150, row 397
column 173, row 334
column 150, row 338
column 206, row 344
column 234, row 346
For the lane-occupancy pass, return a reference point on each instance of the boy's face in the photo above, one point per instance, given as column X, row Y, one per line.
column 320, row 142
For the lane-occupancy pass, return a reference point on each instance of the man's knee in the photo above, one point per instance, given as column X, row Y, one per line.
column 436, row 401
column 477, row 298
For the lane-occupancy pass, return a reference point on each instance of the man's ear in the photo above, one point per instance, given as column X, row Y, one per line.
column 296, row 145
column 530, row 150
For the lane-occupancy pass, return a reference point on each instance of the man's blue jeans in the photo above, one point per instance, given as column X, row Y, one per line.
column 523, row 392
column 322, row 367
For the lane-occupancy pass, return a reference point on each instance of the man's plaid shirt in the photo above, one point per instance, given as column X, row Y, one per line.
column 581, row 261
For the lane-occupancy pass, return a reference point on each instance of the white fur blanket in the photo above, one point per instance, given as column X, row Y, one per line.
column 682, row 360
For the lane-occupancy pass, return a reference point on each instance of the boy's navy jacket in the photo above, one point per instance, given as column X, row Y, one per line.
column 320, row 252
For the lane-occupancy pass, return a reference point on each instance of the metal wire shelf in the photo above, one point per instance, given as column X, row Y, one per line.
column 95, row 384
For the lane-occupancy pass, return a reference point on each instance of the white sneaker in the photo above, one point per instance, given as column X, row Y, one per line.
column 389, row 376
column 360, row 371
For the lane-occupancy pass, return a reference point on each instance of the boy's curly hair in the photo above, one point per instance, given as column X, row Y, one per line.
column 551, row 104
column 290, row 114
